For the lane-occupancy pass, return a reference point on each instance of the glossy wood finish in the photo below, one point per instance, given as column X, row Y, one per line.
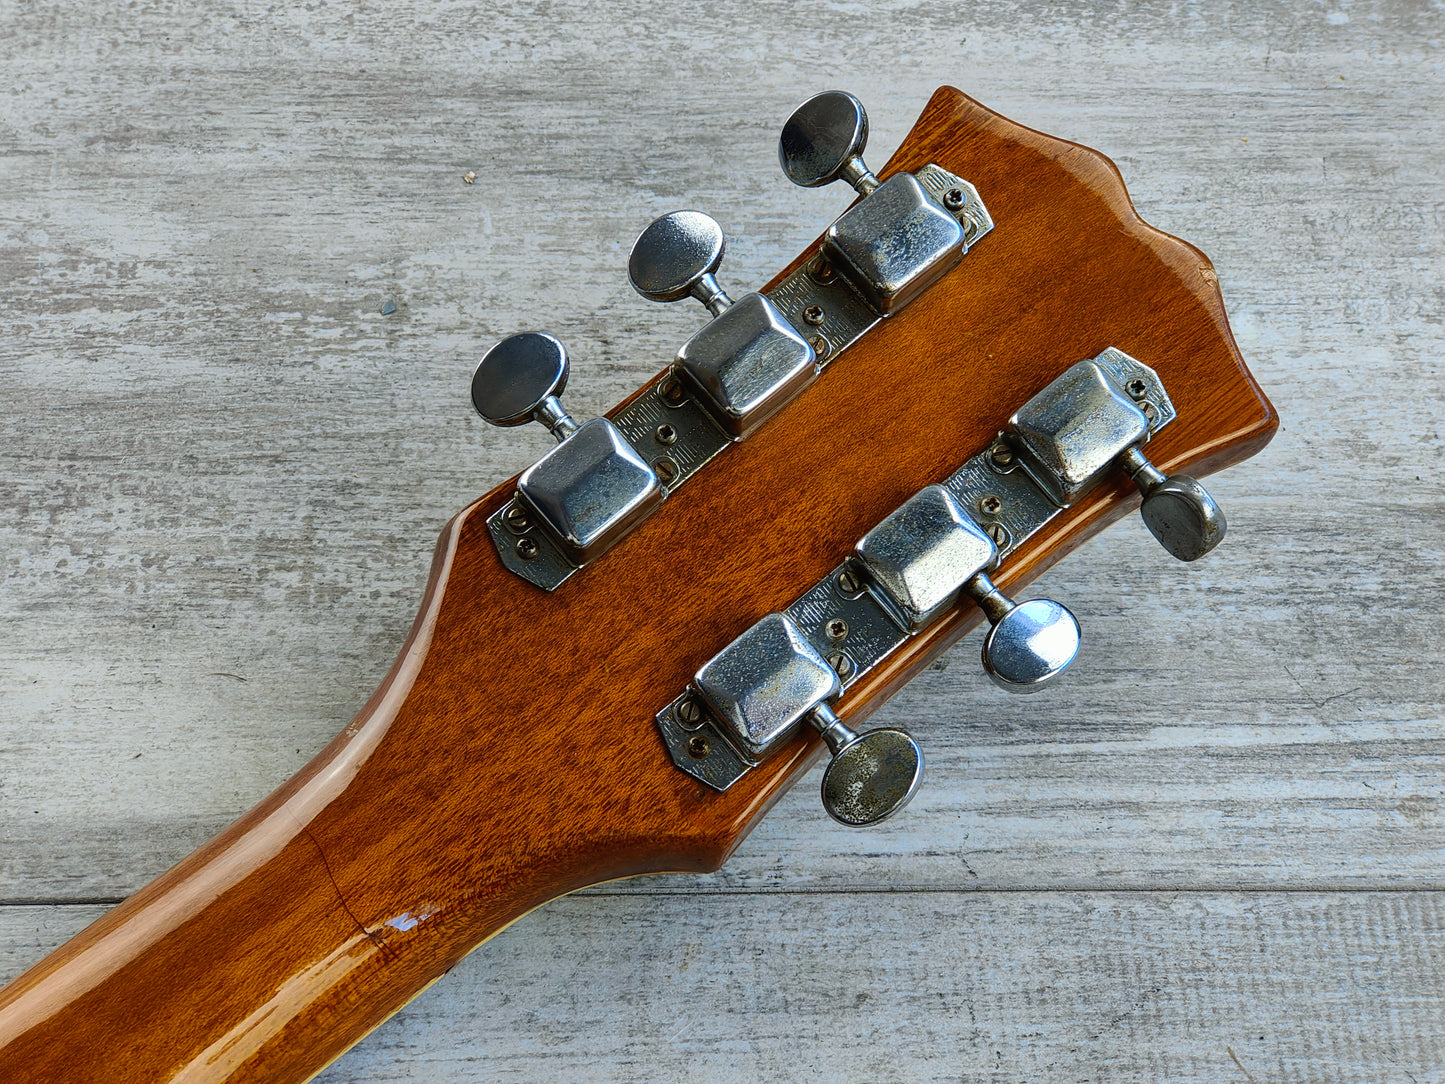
column 510, row 756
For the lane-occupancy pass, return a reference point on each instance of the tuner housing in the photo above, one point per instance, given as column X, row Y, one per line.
column 894, row 243
column 747, row 363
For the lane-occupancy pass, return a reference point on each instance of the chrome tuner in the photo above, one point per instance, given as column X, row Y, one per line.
column 749, row 360
column 823, row 141
column 676, row 257
column 871, row 776
column 901, row 237
column 1178, row 511
column 768, row 682
column 1030, row 644
column 1086, row 423
column 591, row 489
column 520, row 380
column 928, row 552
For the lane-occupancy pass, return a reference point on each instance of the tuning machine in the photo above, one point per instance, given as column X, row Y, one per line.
column 770, row 681
column 749, row 360
column 900, row 237
column 593, row 487
column 1086, row 423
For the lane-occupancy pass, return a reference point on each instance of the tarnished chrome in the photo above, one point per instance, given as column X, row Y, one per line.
column 676, row 257
column 857, row 615
column 519, row 380
column 756, row 354
column 591, row 489
column 895, row 244
column 823, row 141
column 1088, row 422
column 757, row 692
column 923, row 554
column 763, row 684
column 904, row 234
column 748, row 362
column 929, row 550
column 1178, row 511
column 871, row 776
column 1070, row 434
column 580, row 498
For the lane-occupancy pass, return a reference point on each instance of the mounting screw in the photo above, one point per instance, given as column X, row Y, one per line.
column 698, row 747
column 821, row 272
column 999, row 533
column 1137, row 389
column 1002, row 457
column 842, row 665
column 821, row 346
column 666, row 470
column 527, row 549
column 517, row 518
column 813, row 315
column 848, row 584
column 672, row 391
column 953, row 199
column 689, row 712
column 836, row 629
column 665, row 435
column 990, row 505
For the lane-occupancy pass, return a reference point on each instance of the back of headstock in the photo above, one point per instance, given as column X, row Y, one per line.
column 514, row 753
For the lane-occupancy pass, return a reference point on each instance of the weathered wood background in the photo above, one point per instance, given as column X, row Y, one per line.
column 1214, row 854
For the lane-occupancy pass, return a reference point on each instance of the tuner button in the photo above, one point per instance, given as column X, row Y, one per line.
column 519, row 380
column 823, row 141
column 871, row 776
column 1030, row 644
column 1178, row 511
column 677, row 256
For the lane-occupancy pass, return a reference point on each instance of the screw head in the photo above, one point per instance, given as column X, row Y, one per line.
column 821, row 346
column 1002, row 457
column 1137, row 389
column 848, row 583
column 689, row 712
column 665, row 469
column 517, row 518
column 665, row 435
column 953, row 199
column 821, row 272
column 813, row 315
column 836, row 629
column 527, row 549
column 842, row 665
column 672, row 391
column 698, row 747
column 990, row 505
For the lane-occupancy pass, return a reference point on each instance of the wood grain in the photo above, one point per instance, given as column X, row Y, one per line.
column 1257, row 721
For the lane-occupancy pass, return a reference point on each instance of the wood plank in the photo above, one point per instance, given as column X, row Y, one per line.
column 924, row 986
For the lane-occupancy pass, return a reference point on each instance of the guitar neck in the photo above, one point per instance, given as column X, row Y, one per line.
column 278, row 945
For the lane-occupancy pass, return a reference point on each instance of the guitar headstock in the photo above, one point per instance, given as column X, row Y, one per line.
column 622, row 649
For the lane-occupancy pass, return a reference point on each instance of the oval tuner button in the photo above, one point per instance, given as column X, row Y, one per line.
column 677, row 256
column 519, row 380
column 823, row 141
column 871, row 776
column 1183, row 517
column 1031, row 645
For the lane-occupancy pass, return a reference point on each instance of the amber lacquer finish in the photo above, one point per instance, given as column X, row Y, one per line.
column 511, row 757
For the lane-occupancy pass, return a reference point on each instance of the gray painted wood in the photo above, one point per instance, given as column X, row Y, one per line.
column 223, row 470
